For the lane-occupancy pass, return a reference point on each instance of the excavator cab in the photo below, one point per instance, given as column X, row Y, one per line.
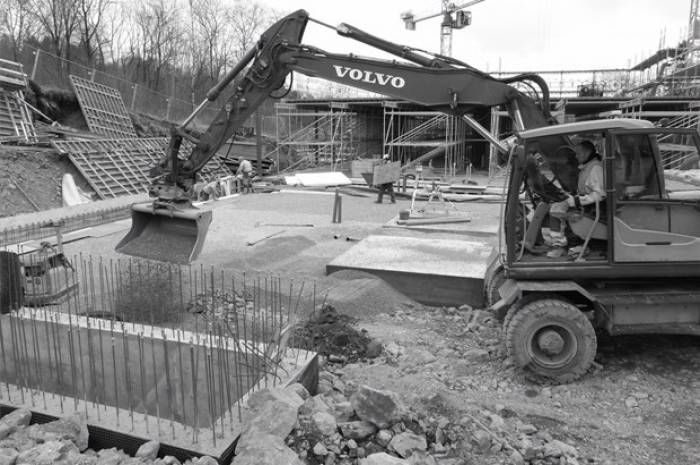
column 166, row 232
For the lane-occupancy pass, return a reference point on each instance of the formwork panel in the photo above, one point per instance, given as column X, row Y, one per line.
column 103, row 108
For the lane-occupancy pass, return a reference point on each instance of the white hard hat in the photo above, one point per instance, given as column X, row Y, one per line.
column 386, row 156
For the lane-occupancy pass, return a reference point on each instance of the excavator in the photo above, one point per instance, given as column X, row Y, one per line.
column 635, row 263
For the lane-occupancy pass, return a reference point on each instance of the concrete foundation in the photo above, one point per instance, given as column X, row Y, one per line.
column 186, row 389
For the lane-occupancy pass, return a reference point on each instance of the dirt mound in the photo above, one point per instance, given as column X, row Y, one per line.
column 32, row 177
column 359, row 294
column 331, row 333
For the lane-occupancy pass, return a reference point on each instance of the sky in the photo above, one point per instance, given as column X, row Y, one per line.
column 510, row 35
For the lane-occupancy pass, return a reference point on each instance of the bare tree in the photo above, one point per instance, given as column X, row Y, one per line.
column 247, row 20
column 58, row 19
column 17, row 25
column 91, row 15
column 158, row 39
column 210, row 37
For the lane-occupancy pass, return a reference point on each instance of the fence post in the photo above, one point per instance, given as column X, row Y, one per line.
column 92, row 75
column 167, row 111
column 36, row 63
column 133, row 96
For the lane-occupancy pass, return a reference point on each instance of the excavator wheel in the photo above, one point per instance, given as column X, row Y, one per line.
column 551, row 338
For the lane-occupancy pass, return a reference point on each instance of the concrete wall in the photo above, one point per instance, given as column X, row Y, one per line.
column 183, row 380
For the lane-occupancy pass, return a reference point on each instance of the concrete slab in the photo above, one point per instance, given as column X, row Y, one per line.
column 431, row 271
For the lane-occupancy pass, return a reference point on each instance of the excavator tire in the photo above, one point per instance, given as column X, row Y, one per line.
column 520, row 303
column 551, row 338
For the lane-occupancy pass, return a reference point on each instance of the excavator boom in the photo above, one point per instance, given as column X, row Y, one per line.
column 440, row 83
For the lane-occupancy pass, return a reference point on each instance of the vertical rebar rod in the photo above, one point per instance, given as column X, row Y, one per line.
column 195, row 410
column 127, row 374
column 155, row 379
column 181, row 378
column 210, row 396
column 115, row 376
column 142, row 378
column 168, row 381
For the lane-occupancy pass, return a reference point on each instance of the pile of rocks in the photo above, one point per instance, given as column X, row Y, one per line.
column 65, row 442
column 346, row 424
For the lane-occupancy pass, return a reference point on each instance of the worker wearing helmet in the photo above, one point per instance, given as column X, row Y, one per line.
column 386, row 187
column 591, row 183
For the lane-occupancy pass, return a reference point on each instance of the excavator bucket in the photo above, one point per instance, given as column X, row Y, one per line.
column 165, row 234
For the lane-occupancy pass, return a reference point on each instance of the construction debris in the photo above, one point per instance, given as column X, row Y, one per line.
column 15, row 119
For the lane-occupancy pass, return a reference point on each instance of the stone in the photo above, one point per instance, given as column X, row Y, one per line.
column 421, row 458
column 527, row 428
column 482, row 440
column 148, row 450
column 379, row 407
column 72, row 428
column 13, row 421
column 516, row 458
column 299, row 389
column 342, row 411
column 374, row 349
column 111, row 456
column 631, row 402
column 405, row 443
column 382, row 458
column 384, row 437
column 267, row 450
column 357, row 429
column 48, row 453
column 8, row 456
column 275, row 418
column 320, row 450
column 259, row 399
column 476, row 355
column 351, row 444
column 465, row 308
column 361, row 452
column 170, row 460
column 558, row 448
column 323, row 423
column 314, row 404
column 205, row 460
column 497, row 421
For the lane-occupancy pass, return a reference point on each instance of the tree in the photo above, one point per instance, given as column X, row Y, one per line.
column 91, row 14
column 58, row 19
column 158, row 39
column 17, row 25
column 248, row 20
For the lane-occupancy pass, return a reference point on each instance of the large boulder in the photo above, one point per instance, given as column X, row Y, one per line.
column 276, row 418
column 49, row 453
column 314, row 404
column 407, row 442
column 376, row 406
column 266, row 450
column 13, row 421
column 148, row 450
column 382, row 458
column 72, row 428
column 357, row 429
column 8, row 456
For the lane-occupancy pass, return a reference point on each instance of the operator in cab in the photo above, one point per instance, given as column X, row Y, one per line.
column 591, row 183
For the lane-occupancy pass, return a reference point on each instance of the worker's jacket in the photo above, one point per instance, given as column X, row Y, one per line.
column 591, row 183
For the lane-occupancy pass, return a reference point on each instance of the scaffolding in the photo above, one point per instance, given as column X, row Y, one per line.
column 412, row 136
column 318, row 136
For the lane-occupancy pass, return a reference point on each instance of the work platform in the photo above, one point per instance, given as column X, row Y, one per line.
column 431, row 271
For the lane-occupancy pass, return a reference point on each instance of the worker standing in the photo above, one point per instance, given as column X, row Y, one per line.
column 386, row 187
column 244, row 175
